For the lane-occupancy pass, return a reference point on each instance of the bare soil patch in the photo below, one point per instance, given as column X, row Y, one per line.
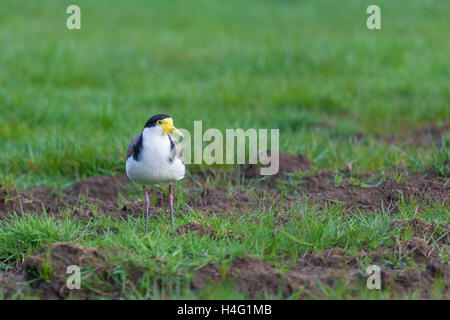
column 334, row 267
column 423, row 136
column 382, row 192
column 439, row 231
column 102, row 188
column 100, row 195
column 13, row 283
column 287, row 164
column 217, row 199
column 306, row 276
column 427, row 188
column 101, row 192
column 51, row 262
column 49, row 268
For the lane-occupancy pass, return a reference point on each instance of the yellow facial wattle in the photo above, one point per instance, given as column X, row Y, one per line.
column 167, row 126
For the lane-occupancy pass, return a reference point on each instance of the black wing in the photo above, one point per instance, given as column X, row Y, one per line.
column 135, row 147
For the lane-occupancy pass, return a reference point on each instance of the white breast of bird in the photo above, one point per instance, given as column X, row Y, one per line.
column 154, row 165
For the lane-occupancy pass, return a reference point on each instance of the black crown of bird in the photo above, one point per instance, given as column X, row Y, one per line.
column 154, row 156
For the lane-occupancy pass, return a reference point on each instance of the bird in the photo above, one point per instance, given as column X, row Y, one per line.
column 154, row 156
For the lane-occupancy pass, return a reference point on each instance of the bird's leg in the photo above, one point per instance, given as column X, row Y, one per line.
column 171, row 204
column 147, row 204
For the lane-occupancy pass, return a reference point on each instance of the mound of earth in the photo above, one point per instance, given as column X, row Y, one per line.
column 440, row 232
column 423, row 136
column 103, row 192
column 46, row 274
column 287, row 164
column 253, row 276
column 258, row 278
column 81, row 199
column 322, row 189
column 102, row 188
column 13, row 283
column 203, row 197
column 30, row 200
column 52, row 261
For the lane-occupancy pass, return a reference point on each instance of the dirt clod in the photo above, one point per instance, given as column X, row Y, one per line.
column 440, row 232
column 287, row 164
column 102, row 188
column 387, row 194
column 423, row 136
column 335, row 266
column 51, row 262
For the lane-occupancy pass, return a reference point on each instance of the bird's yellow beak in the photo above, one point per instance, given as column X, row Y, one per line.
column 168, row 127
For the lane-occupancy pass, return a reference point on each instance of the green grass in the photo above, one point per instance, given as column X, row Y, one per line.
column 70, row 101
column 172, row 258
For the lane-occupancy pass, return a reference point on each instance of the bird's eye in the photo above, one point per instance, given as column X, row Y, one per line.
column 159, row 121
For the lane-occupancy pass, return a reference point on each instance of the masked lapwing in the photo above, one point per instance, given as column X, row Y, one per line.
column 154, row 157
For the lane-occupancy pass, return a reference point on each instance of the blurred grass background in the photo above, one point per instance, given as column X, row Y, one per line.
column 71, row 100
